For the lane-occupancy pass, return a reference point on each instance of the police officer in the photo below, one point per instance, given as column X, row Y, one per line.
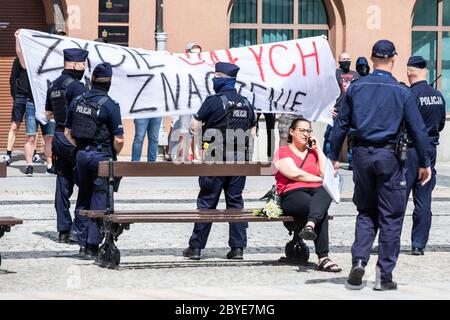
column 224, row 114
column 59, row 96
column 94, row 126
column 431, row 106
column 373, row 110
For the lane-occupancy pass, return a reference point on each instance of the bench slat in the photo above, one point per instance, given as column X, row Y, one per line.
column 192, row 218
column 10, row 221
column 96, row 214
column 188, row 169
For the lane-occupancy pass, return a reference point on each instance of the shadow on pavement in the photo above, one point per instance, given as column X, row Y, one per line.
column 2, row 271
column 219, row 252
column 201, row 264
column 51, row 235
column 335, row 280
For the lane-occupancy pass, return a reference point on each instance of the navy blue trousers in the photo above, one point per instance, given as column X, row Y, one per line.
column 380, row 197
column 421, row 196
column 208, row 198
column 89, row 195
column 64, row 163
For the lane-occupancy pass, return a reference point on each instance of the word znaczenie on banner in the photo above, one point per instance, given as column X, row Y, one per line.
column 291, row 76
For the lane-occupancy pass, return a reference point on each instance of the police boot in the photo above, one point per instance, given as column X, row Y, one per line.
column 356, row 273
column 72, row 238
column 236, row 254
column 63, row 237
column 192, row 253
column 417, row 252
column 82, row 252
column 385, row 286
column 91, row 251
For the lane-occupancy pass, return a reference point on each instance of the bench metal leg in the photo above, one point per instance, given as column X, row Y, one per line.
column 297, row 252
column 3, row 229
column 109, row 254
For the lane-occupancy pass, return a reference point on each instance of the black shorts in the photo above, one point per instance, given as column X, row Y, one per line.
column 18, row 110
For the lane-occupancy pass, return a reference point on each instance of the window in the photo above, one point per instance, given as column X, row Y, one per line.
column 264, row 21
column 431, row 39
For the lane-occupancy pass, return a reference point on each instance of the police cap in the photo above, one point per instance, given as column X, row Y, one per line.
column 229, row 69
column 75, row 55
column 383, row 49
column 362, row 61
column 417, row 62
column 102, row 70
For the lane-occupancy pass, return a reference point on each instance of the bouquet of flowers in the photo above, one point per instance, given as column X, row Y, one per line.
column 270, row 210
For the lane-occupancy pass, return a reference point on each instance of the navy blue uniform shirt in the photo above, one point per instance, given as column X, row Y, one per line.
column 74, row 89
column 212, row 108
column 109, row 112
column 373, row 110
column 431, row 106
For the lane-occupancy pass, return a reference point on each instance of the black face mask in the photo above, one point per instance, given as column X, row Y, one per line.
column 77, row 74
column 104, row 86
column 363, row 70
column 345, row 65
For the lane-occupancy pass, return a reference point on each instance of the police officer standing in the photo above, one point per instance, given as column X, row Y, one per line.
column 94, row 126
column 431, row 106
column 373, row 110
column 61, row 93
column 223, row 116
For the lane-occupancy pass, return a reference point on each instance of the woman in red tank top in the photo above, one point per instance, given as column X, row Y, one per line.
column 299, row 168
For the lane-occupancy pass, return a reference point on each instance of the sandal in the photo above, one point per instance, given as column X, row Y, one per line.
column 331, row 267
column 308, row 233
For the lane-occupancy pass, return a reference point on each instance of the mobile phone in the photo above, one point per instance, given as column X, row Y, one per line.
column 310, row 143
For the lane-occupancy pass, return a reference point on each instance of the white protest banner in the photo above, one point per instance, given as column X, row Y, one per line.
column 290, row 76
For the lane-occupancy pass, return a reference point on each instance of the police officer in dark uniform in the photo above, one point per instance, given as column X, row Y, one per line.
column 94, row 126
column 373, row 110
column 431, row 106
column 61, row 93
column 223, row 115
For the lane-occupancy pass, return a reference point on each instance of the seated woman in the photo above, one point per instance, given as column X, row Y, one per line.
column 299, row 168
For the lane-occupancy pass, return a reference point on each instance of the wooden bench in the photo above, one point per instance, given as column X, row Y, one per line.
column 5, row 226
column 116, row 221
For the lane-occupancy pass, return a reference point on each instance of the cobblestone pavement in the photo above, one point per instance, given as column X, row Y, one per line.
column 35, row 266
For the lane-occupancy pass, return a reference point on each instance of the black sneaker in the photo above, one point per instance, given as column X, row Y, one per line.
column 29, row 171
column 7, row 160
column 50, row 170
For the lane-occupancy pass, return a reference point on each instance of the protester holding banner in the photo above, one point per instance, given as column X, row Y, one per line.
column 94, row 126
column 61, row 93
column 299, row 169
column 23, row 106
column 228, row 123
